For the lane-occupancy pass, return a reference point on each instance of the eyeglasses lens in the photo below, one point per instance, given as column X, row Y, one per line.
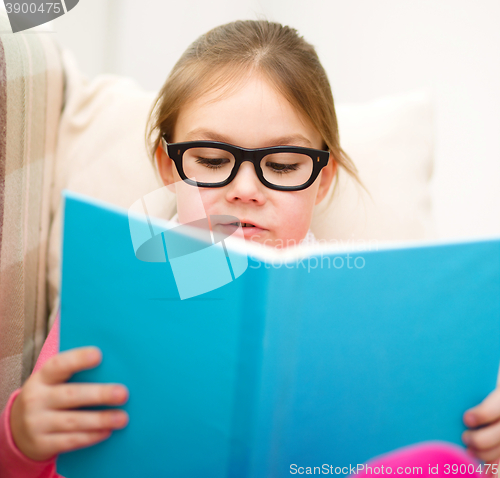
column 207, row 165
column 287, row 169
column 212, row 165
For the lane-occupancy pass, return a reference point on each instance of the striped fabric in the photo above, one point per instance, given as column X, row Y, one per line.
column 31, row 99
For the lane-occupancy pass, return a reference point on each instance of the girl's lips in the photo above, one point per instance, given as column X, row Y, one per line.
column 250, row 232
column 232, row 229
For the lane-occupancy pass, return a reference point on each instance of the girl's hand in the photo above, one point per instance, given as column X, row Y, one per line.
column 43, row 421
column 484, row 442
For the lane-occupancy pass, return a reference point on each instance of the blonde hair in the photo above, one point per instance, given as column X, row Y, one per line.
column 221, row 55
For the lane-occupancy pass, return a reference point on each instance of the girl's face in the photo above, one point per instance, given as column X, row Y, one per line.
column 253, row 115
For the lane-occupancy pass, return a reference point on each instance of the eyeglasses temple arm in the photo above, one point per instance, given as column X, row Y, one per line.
column 164, row 145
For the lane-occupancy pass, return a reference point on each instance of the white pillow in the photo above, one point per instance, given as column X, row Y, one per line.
column 391, row 141
column 102, row 153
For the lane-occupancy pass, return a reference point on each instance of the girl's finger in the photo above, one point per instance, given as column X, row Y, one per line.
column 483, row 438
column 491, row 456
column 75, row 395
column 62, row 366
column 57, row 443
column 83, row 421
column 486, row 412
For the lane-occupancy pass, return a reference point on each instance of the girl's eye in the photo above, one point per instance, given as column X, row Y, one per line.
column 282, row 168
column 212, row 163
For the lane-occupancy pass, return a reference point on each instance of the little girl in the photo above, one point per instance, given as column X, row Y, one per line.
column 247, row 115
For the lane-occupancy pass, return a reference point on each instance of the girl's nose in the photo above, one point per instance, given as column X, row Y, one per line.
column 246, row 186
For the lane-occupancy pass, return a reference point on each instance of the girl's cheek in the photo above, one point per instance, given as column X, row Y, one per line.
column 291, row 227
column 190, row 204
column 299, row 215
column 211, row 198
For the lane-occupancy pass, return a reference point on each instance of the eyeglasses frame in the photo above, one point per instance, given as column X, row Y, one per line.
column 175, row 151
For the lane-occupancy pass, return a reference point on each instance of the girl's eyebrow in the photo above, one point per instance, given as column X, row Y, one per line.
column 201, row 134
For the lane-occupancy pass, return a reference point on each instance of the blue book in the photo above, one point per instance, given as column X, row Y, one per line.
column 283, row 364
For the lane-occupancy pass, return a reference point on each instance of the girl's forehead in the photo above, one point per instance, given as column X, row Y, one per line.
column 243, row 87
column 248, row 109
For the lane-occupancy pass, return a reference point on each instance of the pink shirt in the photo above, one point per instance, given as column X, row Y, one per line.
column 13, row 463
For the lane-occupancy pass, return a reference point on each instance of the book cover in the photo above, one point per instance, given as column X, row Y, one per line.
column 326, row 358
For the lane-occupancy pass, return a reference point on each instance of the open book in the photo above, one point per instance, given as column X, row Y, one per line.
column 286, row 364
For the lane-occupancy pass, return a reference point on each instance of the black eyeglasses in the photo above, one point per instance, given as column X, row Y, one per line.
column 210, row 164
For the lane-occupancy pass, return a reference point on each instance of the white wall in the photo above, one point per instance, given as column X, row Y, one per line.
column 87, row 31
column 370, row 48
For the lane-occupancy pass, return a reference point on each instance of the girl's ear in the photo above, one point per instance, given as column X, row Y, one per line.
column 325, row 179
column 165, row 166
